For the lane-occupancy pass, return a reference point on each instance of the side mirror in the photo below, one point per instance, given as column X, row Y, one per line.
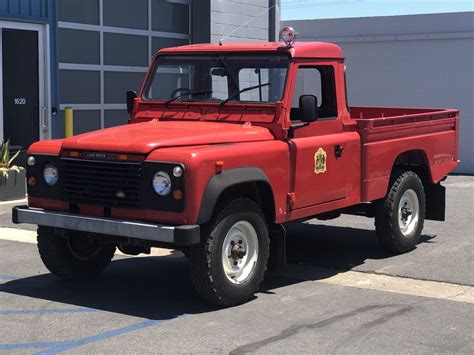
column 131, row 96
column 308, row 109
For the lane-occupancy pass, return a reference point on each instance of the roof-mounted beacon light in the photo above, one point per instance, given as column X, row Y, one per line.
column 288, row 35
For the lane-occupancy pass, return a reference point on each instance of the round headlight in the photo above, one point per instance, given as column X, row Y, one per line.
column 161, row 183
column 50, row 174
column 31, row 161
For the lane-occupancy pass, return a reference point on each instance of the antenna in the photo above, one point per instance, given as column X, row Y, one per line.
column 221, row 41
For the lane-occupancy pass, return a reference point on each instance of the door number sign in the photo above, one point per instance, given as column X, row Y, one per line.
column 19, row 101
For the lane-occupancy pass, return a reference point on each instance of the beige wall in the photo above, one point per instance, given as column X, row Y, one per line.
column 417, row 60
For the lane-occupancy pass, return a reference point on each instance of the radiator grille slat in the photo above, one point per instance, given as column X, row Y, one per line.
column 109, row 184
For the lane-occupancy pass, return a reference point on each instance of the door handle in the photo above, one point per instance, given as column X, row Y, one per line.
column 44, row 124
column 338, row 150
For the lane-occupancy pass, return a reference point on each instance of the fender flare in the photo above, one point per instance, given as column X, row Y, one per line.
column 220, row 182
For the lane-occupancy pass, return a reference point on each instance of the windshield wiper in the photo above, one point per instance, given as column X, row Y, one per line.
column 190, row 92
column 242, row 91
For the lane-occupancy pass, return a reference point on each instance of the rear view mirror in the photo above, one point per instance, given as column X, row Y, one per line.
column 308, row 109
column 219, row 72
column 131, row 96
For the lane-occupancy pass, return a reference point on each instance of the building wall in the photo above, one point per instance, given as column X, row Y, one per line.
column 36, row 11
column 101, row 48
column 104, row 50
column 417, row 60
column 240, row 20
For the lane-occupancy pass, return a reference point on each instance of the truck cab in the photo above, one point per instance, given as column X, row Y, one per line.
column 226, row 144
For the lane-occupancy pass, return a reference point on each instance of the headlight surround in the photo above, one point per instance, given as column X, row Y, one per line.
column 50, row 174
column 161, row 183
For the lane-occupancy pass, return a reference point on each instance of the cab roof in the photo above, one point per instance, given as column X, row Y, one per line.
column 298, row 50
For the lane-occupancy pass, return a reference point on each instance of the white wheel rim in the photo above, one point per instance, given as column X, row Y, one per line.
column 240, row 252
column 408, row 212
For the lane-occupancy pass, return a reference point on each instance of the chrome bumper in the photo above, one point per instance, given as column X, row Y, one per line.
column 175, row 235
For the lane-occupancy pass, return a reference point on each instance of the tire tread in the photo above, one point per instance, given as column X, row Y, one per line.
column 201, row 260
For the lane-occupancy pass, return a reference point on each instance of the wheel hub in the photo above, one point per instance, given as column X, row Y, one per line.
column 408, row 212
column 237, row 251
column 240, row 252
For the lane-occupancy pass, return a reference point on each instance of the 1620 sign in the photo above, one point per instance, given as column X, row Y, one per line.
column 20, row 101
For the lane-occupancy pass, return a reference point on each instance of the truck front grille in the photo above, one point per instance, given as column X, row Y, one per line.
column 104, row 183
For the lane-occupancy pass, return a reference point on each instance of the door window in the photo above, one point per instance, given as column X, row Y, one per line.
column 320, row 82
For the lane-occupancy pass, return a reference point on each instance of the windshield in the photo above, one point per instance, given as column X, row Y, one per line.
column 256, row 78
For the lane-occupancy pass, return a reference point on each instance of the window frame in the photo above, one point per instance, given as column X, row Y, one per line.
column 333, row 83
column 150, row 76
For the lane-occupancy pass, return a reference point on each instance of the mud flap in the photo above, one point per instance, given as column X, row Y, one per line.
column 435, row 202
column 277, row 261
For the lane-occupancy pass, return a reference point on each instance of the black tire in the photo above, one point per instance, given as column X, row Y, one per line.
column 387, row 227
column 206, row 263
column 73, row 255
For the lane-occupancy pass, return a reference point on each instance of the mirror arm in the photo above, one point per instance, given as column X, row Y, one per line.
column 294, row 127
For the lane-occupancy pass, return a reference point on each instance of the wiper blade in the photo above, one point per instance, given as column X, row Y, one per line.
column 242, row 91
column 190, row 92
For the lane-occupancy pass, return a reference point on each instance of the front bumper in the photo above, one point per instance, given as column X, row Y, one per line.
column 174, row 235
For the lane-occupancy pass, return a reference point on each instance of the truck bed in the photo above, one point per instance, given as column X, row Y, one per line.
column 389, row 136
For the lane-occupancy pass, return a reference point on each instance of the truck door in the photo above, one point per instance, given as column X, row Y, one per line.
column 324, row 158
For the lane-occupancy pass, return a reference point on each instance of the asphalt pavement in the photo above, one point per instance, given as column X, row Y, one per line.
column 340, row 294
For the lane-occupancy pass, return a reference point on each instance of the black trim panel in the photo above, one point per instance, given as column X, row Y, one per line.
column 42, row 189
column 153, row 201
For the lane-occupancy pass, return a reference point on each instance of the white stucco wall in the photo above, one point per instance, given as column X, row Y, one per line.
column 416, row 60
column 228, row 15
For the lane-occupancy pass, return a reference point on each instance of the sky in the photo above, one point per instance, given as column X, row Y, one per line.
column 319, row 9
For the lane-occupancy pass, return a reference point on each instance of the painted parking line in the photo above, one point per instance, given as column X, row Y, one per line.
column 48, row 311
column 56, row 347
column 387, row 283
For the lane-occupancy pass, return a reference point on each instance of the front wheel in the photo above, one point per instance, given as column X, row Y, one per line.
column 400, row 216
column 228, row 267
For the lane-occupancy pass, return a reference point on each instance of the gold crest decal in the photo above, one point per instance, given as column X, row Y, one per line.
column 320, row 161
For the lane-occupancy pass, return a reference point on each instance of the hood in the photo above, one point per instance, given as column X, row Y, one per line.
column 143, row 138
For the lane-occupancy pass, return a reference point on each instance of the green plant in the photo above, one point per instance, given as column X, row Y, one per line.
column 7, row 160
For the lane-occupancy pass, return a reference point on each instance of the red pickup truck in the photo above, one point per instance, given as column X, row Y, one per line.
column 226, row 144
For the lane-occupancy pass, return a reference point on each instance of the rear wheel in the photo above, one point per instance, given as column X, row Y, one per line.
column 71, row 254
column 228, row 267
column 400, row 216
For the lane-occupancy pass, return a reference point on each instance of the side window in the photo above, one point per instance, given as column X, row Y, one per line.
column 318, row 81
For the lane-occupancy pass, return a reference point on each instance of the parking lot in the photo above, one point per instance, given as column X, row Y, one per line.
column 340, row 294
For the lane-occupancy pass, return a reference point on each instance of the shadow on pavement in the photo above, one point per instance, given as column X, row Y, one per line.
column 160, row 287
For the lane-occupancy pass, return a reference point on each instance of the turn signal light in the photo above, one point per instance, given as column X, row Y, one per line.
column 219, row 166
column 31, row 181
column 177, row 194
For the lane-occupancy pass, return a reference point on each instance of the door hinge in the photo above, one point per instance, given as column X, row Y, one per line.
column 291, row 198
